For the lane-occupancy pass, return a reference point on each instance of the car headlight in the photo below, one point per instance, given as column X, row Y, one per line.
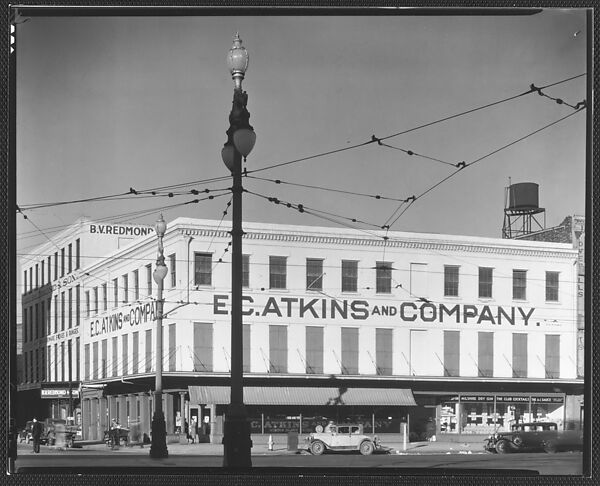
column 496, row 436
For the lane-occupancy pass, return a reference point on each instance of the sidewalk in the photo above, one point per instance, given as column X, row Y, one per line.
column 280, row 448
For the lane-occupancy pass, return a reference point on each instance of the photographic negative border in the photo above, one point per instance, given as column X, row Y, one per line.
column 288, row 476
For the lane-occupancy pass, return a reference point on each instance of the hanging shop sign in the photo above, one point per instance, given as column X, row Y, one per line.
column 323, row 308
column 137, row 315
column 59, row 393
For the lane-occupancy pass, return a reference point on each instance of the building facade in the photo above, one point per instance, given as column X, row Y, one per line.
column 451, row 335
column 51, row 300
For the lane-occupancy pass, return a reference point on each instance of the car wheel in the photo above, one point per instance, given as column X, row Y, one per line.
column 317, row 448
column 550, row 447
column 366, row 448
column 502, row 447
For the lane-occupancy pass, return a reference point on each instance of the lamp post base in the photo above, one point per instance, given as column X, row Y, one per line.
column 236, row 438
column 158, row 448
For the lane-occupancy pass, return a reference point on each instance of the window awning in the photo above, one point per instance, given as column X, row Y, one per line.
column 262, row 395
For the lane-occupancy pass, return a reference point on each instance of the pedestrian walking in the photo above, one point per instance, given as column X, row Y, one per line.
column 186, row 430
column 36, row 435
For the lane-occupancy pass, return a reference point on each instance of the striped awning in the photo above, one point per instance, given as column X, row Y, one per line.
column 262, row 395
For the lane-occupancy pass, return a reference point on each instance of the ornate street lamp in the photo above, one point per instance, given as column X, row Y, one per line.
column 158, row 448
column 240, row 141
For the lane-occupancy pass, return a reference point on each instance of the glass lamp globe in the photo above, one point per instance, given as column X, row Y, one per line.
column 227, row 154
column 237, row 58
column 160, row 272
column 244, row 140
column 160, row 227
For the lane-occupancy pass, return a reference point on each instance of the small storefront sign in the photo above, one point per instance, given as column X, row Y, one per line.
column 59, row 393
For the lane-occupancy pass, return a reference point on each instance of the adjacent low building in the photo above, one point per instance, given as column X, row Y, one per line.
column 449, row 334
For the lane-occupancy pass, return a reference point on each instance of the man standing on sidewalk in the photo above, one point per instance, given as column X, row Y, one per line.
column 36, row 435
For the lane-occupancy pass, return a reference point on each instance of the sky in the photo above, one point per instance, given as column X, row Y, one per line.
column 106, row 104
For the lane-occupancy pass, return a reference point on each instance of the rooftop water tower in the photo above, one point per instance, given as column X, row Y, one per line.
column 522, row 211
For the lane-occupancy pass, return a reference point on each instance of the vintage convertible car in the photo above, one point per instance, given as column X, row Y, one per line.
column 534, row 436
column 342, row 437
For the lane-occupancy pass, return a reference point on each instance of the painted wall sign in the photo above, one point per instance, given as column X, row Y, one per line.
column 63, row 282
column 137, row 315
column 321, row 308
column 115, row 229
column 59, row 336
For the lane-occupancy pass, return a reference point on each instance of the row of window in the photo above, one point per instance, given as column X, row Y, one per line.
column 126, row 359
column 68, row 260
column 64, row 307
column 203, row 266
column 52, row 363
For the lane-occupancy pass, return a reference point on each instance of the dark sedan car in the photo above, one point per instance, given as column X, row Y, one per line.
column 534, row 436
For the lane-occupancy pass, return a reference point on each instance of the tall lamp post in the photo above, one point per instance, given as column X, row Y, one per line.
column 158, row 448
column 240, row 141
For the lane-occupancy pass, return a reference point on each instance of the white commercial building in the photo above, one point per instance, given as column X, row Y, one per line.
column 449, row 334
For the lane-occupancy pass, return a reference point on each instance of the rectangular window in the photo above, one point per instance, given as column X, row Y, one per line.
column 49, row 269
column 95, row 294
column 172, row 347
column 25, row 282
column 62, row 311
column 56, row 313
column 314, row 274
column 25, row 324
column 104, row 296
column 77, row 305
column 77, row 356
column 42, row 319
column 49, row 362
column 70, row 298
column 349, row 364
column 202, row 268
column 88, row 307
column 125, row 288
column 77, row 254
column 49, row 317
column 37, row 278
column 451, row 353
column 245, row 271
column 31, row 278
column 70, row 258
column 136, row 285
column 104, row 358
column 25, row 369
column 552, row 286
column 277, row 272
column 115, row 356
column 36, row 369
column 86, row 366
column 203, row 346
column 55, row 265
column 519, row 284
column 43, row 364
column 115, row 292
column 485, row 282
column 124, row 355
column 451, row 280
column 552, row 362
column 95, row 360
column 349, row 276
column 519, row 361
column 383, row 351
column 42, row 276
column 135, row 354
column 383, row 277
column 36, row 323
column 314, row 350
column 56, row 362
column 278, row 349
column 172, row 270
column 485, row 354
column 246, row 348
column 149, row 278
column 62, row 361
column 62, row 262
column 148, row 367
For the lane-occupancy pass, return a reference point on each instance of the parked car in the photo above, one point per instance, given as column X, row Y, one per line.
column 341, row 437
column 54, row 427
column 534, row 436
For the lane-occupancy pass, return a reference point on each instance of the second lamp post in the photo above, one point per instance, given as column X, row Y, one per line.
column 240, row 141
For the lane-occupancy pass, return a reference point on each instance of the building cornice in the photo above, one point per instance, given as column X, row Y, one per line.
column 501, row 248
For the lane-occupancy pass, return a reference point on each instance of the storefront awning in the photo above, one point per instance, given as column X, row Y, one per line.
column 261, row 395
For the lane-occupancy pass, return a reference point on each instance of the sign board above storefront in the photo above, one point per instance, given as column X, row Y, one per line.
column 120, row 230
column 59, row 393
